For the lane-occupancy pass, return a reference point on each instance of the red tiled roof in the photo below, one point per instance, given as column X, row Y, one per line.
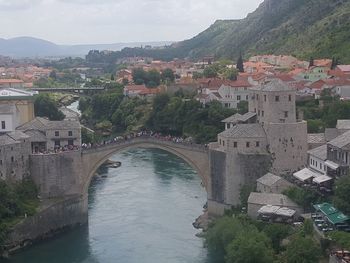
column 317, row 84
column 283, row 77
column 344, row 68
column 4, row 81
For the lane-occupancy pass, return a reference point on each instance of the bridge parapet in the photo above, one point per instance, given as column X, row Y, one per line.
column 147, row 139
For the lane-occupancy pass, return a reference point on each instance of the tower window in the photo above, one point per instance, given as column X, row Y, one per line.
column 248, row 144
column 235, row 144
column 277, row 98
column 290, row 97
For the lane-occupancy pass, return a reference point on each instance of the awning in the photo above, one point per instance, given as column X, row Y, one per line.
column 326, row 209
column 332, row 165
column 322, row 179
column 305, row 174
column 268, row 209
column 337, row 218
column 284, row 211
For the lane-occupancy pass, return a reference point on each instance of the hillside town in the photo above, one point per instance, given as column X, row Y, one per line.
column 266, row 144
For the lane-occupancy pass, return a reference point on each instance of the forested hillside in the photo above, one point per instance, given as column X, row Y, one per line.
column 304, row 28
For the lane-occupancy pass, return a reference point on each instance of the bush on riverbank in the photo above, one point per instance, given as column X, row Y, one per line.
column 16, row 201
column 242, row 240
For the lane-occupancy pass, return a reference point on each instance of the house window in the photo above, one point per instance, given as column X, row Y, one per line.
column 257, row 144
column 57, row 133
column 247, row 144
column 235, row 144
column 0, row 162
column 286, row 114
column 70, row 142
column 3, row 125
column 321, row 166
column 228, row 126
column 262, row 113
column 264, row 97
column 57, row 143
column 70, row 133
column 290, row 97
column 257, row 96
column 238, row 97
column 12, row 159
column 258, row 112
column 277, row 98
column 247, row 97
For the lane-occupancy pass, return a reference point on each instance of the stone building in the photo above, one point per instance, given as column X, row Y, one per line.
column 275, row 106
column 47, row 135
column 258, row 200
column 245, row 151
column 14, row 156
column 270, row 183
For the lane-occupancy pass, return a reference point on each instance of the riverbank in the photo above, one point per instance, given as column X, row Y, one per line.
column 52, row 217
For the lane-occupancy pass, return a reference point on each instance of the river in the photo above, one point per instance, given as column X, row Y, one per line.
column 141, row 212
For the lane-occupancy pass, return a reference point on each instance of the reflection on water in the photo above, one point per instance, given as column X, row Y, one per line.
column 141, row 212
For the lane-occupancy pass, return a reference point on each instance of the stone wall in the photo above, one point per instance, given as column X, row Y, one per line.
column 57, row 175
column 14, row 160
column 288, row 146
column 243, row 169
column 50, row 220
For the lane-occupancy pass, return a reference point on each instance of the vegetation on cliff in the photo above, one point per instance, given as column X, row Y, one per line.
column 18, row 200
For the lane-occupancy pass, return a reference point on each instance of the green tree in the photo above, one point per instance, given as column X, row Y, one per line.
column 341, row 197
column 311, row 62
column 277, row 232
column 315, row 126
column 302, row 250
column 249, row 246
column 168, row 75
column 224, row 231
column 240, row 63
column 153, row 78
column 231, row 74
column 139, row 76
column 210, row 72
column 45, row 106
column 341, row 239
column 197, row 75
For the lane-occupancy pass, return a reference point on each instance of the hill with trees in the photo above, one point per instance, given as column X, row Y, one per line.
column 303, row 28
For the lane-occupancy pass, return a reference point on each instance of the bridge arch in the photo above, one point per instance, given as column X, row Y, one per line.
column 196, row 156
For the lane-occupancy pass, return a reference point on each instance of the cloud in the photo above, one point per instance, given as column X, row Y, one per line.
column 6, row 5
column 102, row 21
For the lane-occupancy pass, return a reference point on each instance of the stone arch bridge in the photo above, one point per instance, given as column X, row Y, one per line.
column 67, row 176
column 197, row 156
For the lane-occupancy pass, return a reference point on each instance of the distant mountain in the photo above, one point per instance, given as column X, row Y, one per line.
column 20, row 47
column 304, row 28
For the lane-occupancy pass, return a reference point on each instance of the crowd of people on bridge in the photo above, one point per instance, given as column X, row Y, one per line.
column 141, row 134
column 119, row 140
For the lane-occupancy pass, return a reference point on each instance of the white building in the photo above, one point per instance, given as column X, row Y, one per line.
column 317, row 159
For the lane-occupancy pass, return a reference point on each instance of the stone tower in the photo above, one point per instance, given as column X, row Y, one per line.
column 268, row 138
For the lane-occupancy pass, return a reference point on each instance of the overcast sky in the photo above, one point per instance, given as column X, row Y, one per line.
column 111, row 21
